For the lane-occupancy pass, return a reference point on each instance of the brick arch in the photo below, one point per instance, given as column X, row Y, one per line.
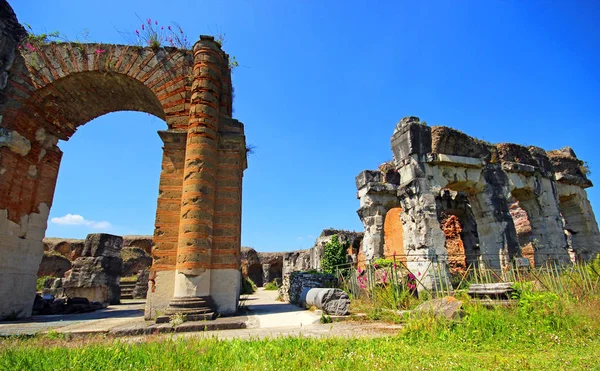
column 58, row 87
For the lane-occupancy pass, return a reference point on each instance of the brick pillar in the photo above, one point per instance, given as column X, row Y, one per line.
column 199, row 177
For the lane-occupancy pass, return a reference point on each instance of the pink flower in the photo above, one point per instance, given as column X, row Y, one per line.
column 100, row 51
column 384, row 277
column 419, row 273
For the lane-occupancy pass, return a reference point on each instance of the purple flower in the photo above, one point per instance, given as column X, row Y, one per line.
column 142, row 26
column 156, row 23
column 376, row 266
column 169, row 28
column 137, row 32
column 149, row 21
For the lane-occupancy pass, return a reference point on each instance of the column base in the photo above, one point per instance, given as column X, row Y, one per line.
column 193, row 308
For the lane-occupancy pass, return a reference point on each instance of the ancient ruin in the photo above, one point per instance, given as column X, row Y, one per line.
column 447, row 195
column 49, row 90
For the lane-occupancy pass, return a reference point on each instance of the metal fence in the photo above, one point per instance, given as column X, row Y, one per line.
column 445, row 274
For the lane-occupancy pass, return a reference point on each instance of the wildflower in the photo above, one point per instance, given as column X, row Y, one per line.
column 100, row 51
column 149, row 21
column 376, row 266
column 419, row 273
column 137, row 32
column 142, row 26
column 162, row 27
column 156, row 23
column 384, row 277
column 169, row 28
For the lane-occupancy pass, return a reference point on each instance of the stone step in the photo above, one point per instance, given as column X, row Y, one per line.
column 189, row 317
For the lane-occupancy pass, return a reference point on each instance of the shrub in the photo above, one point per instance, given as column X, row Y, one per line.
column 271, row 286
column 39, row 285
column 248, row 286
column 334, row 255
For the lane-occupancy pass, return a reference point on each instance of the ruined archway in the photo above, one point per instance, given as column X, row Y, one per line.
column 436, row 165
column 55, row 88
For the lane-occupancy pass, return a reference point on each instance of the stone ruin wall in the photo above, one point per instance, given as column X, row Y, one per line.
column 60, row 253
column 262, row 267
column 453, row 193
column 47, row 93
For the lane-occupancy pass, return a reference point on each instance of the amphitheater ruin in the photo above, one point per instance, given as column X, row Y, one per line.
column 437, row 173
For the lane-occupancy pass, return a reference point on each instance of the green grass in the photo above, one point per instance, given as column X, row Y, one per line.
column 295, row 353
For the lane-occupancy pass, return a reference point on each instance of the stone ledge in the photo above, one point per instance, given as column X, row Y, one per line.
column 223, row 323
column 517, row 167
column 573, row 180
column 453, row 160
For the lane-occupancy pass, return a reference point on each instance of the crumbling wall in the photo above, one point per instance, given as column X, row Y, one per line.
column 432, row 161
column 252, row 266
column 96, row 274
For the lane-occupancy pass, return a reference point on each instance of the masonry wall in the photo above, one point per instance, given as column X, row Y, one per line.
column 432, row 161
column 50, row 90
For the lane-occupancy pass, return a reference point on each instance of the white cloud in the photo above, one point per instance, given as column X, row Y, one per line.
column 76, row 219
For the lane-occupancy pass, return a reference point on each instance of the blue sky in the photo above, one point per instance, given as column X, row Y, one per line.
column 320, row 87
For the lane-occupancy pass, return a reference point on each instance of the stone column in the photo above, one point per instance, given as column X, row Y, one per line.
column 376, row 198
column 580, row 221
column 166, row 232
column 498, row 241
column 201, row 158
column 225, row 263
column 424, row 240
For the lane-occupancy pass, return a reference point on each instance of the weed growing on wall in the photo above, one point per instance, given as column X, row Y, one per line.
column 155, row 35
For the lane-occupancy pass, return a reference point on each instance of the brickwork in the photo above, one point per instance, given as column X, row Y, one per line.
column 55, row 88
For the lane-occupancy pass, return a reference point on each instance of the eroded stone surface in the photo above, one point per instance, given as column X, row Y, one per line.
column 96, row 274
column 438, row 166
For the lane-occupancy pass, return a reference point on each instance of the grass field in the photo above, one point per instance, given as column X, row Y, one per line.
column 547, row 328
column 385, row 353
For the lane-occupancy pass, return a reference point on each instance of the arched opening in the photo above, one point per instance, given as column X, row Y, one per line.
column 457, row 221
column 523, row 228
column 107, row 183
column 49, row 114
column 539, row 226
column 393, row 235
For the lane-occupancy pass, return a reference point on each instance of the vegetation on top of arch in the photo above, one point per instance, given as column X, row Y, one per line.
column 150, row 34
